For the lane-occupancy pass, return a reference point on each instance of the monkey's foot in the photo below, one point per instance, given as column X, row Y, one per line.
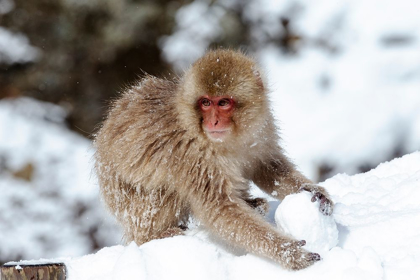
column 320, row 194
column 259, row 204
column 294, row 257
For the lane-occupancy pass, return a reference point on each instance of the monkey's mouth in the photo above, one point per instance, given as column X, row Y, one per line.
column 218, row 135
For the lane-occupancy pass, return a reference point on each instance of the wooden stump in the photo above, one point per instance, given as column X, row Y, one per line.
column 46, row 271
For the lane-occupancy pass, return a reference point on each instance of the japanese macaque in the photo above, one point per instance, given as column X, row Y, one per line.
column 171, row 149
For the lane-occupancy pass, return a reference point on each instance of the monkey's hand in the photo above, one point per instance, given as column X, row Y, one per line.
column 326, row 205
column 294, row 257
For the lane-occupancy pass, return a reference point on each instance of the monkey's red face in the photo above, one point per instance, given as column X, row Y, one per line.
column 217, row 116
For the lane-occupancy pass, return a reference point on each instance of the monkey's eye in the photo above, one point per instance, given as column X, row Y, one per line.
column 205, row 102
column 224, row 102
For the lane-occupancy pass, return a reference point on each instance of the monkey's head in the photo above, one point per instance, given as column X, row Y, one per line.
column 222, row 96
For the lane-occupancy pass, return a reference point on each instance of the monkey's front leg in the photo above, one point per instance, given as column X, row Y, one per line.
column 234, row 221
column 280, row 178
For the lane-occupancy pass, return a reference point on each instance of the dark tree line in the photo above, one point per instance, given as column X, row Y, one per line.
column 92, row 49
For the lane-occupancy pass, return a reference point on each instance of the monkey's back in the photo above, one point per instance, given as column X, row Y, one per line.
column 138, row 150
column 139, row 132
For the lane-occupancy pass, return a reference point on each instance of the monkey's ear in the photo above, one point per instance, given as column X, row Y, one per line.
column 259, row 79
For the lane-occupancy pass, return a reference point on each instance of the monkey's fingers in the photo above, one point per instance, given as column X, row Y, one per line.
column 296, row 258
column 309, row 256
column 326, row 207
column 317, row 196
column 300, row 243
column 313, row 257
column 325, row 204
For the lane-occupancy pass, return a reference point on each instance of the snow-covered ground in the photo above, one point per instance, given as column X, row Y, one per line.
column 377, row 214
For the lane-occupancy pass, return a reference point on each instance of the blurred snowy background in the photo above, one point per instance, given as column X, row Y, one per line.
column 344, row 75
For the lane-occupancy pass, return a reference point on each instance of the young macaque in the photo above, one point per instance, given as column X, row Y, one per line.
column 171, row 149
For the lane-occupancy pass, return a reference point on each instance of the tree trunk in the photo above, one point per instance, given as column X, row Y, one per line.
column 47, row 271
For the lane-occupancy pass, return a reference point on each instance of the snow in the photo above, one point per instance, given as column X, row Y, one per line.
column 358, row 103
column 381, row 208
column 362, row 119
column 377, row 216
column 298, row 217
column 193, row 20
column 15, row 47
column 6, row 6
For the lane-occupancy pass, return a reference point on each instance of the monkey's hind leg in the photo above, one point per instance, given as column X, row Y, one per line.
column 153, row 215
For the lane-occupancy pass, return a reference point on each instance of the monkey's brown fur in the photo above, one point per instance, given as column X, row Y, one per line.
column 156, row 166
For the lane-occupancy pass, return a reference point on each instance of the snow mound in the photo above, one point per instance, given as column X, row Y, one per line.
column 377, row 216
column 300, row 218
column 380, row 209
column 196, row 257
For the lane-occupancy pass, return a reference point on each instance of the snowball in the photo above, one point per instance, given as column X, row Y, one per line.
column 300, row 218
